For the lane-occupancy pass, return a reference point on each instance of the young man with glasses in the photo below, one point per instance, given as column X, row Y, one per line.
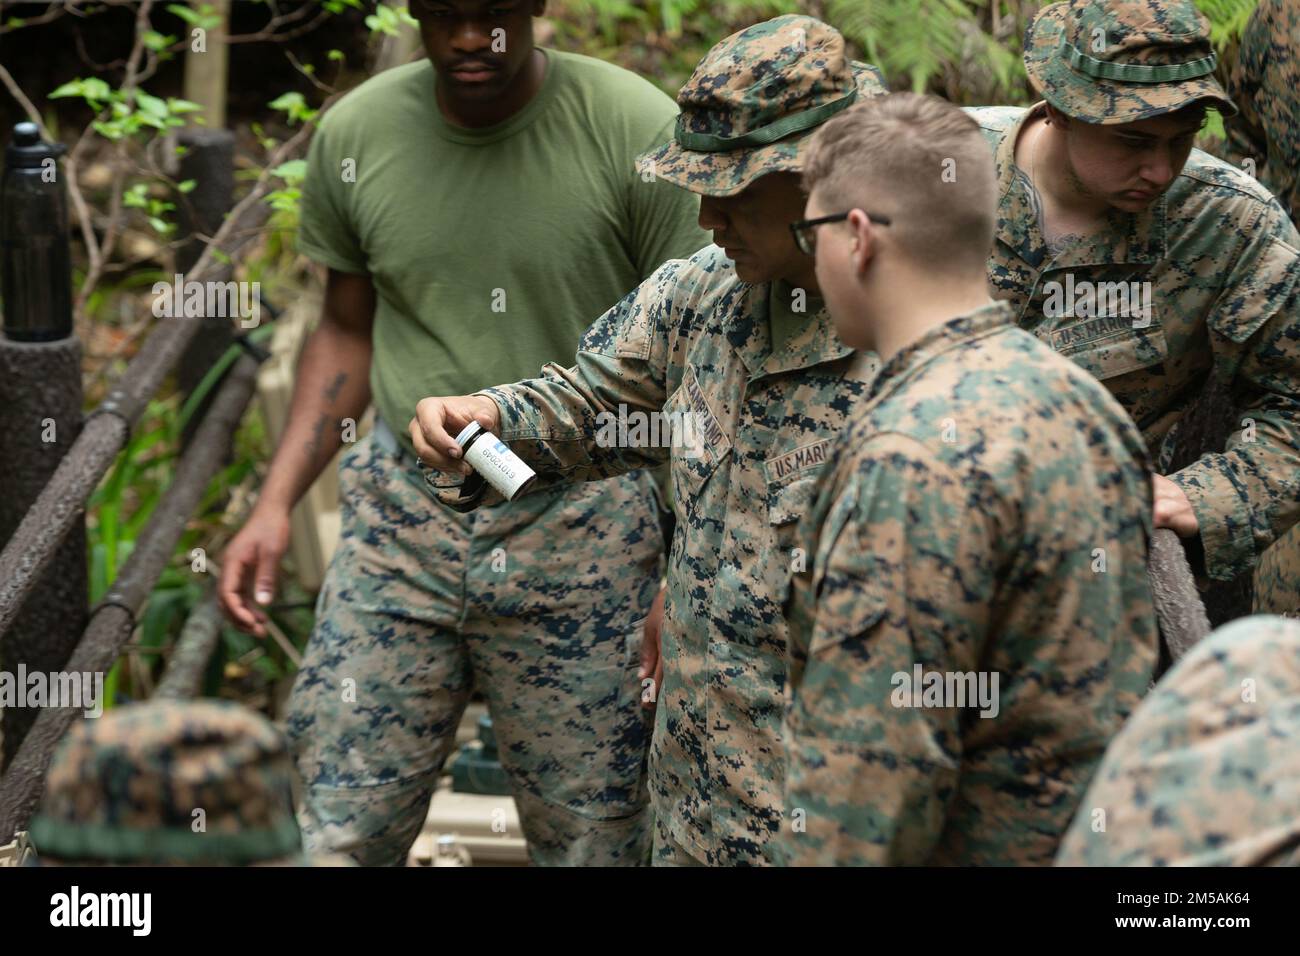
column 736, row 339
column 474, row 210
column 974, row 621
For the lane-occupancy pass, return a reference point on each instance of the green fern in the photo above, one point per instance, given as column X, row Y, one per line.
column 1227, row 18
column 905, row 40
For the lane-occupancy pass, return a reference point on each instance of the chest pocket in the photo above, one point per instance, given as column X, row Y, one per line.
column 790, row 500
column 1110, row 346
column 792, row 480
column 791, row 494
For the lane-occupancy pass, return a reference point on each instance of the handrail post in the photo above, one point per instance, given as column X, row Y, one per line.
column 40, row 406
column 209, row 161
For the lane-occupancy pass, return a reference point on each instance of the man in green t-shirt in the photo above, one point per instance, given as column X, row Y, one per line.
column 472, row 209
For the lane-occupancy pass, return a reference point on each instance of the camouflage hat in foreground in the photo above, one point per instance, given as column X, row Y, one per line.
column 1123, row 61
column 752, row 103
column 170, row 782
column 1207, row 770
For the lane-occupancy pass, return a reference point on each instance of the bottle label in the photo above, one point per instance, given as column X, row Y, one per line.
column 503, row 469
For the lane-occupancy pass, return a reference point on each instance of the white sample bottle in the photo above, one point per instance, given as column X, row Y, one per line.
column 503, row 469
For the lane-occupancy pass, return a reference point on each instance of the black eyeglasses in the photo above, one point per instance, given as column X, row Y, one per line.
column 805, row 231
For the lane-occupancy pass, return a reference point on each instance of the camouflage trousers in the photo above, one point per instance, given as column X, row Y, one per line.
column 1277, row 576
column 538, row 603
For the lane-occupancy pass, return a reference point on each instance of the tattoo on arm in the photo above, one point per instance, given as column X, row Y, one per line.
column 332, row 393
column 318, row 430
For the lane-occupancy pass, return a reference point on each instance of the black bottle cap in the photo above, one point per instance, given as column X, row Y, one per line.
column 27, row 150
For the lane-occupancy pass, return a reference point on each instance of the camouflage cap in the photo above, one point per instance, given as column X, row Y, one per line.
column 127, row 788
column 1207, row 770
column 751, row 105
column 1123, row 61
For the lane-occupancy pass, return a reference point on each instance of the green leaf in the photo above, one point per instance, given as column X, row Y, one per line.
column 293, row 171
column 267, row 668
column 284, row 200
column 191, row 17
column 71, row 88
column 164, row 607
column 293, row 105
column 186, row 185
column 1214, row 126
column 383, row 20
column 135, row 524
column 157, row 42
column 177, row 105
column 110, row 685
column 136, row 197
column 151, row 104
column 98, row 572
column 288, row 101
column 237, row 642
column 92, row 89
column 335, row 55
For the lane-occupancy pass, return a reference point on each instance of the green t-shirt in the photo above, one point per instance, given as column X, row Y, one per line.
column 491, row 249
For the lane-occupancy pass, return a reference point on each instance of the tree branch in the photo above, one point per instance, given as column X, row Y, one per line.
column 96, row 268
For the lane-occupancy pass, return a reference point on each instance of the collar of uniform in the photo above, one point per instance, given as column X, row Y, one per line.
column 750, row 333
column 934, row 342
column 1143, row 234
column 747, row 325
column 815, row 343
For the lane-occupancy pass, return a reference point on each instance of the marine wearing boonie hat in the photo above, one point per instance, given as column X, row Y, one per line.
column 1215, row 257
column 128, row 788
column 751, row 105
column 696, row 340
column 1123, row 61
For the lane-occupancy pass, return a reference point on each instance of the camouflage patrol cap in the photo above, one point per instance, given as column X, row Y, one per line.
column 751, row 105
column 125, row 788
column 1122, row 61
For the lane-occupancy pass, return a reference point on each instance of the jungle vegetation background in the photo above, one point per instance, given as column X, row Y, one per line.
column 106, row 78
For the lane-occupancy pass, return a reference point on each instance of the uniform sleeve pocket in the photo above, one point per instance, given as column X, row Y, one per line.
column 843, row 618
column 850, row 603
column 1259, row 289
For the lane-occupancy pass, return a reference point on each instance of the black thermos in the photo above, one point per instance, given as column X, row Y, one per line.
column 35, row 264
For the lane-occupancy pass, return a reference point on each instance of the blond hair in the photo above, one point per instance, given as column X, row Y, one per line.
column 921, row 162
